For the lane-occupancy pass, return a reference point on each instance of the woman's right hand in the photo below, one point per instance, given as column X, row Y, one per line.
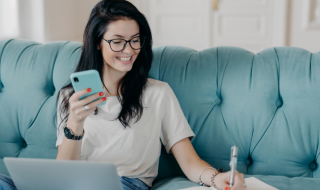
column 77, row 112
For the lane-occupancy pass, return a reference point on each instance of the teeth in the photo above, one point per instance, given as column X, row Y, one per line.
column 125, row 59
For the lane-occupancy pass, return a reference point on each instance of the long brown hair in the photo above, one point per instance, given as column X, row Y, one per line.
column 131, row 86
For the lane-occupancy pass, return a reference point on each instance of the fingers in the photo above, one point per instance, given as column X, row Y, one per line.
column 89, row 99
column 80, row 109
column 88, row 105
column 239, row 182
column 93, row 105
column 222, row 181
column 77, row 95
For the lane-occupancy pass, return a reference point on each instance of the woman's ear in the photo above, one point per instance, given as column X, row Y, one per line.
column 98, row 47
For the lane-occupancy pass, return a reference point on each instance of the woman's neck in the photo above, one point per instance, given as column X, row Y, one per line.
column 111, row 78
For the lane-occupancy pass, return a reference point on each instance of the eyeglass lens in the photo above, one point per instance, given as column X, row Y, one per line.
column 118, row 44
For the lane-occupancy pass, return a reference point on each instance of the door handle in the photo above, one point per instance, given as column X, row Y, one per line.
column 215, row 4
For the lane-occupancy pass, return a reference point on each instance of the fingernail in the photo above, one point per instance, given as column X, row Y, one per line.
column 227, row 188
column 89, row 89
column 104, row 99
column 101, row 94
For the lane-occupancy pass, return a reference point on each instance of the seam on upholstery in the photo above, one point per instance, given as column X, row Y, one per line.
column 205, row 119
column 224, row 70
column 165, row 48
column 251, row 71
column 227, row 127
column 287, row 125
column 75, row 50
column 278, row 74
column 264, row 131
column 310, row 67
column 220, row 89
column 38, row 112
column 317, row 156
column 25, row 50
column 317, row 153
column 217, row 79
column 54, row 63
column 186, row 66
column 1, row 53
column 33, row 54
column 250, row 155
column 278, row 63
column 4, row 47
column 251, row 141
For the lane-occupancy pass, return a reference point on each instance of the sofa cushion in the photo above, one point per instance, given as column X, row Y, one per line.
column 268, row 104
column 31, row 75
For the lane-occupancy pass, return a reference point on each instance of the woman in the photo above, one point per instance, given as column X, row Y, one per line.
column 138, row 111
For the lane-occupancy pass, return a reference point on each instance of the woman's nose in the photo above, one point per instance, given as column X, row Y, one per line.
column 127, row 49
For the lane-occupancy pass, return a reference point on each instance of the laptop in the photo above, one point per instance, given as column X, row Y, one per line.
column 48, row 174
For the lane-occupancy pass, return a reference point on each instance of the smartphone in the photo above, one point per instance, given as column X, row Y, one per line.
column 87, row 79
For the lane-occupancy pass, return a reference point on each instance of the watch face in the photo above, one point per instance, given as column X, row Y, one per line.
column 67, row 132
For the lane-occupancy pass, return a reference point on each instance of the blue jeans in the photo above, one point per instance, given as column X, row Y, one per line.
column 133, row 184
column 6, row 183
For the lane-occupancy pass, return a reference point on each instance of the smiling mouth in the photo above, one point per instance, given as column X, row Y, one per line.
column 124, row 58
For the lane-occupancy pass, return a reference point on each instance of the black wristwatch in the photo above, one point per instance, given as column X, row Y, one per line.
column 69, row 134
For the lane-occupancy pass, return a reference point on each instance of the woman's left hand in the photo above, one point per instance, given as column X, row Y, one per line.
column 222, row 181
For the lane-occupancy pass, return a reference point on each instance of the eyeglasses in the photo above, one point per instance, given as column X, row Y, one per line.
column 118, row 45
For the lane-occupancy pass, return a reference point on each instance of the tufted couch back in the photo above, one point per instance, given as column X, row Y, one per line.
column 267, row 104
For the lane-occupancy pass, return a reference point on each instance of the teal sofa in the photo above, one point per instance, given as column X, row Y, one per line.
column 268, row 104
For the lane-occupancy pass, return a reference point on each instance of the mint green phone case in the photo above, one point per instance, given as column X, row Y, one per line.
column 87, row 79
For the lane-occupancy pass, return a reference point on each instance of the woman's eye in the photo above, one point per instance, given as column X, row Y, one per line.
column 116, row 42
column 136, row 41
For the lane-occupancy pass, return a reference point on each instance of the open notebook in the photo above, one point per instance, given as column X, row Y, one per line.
column 251, row 182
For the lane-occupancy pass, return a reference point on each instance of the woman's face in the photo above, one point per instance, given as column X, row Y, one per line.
column 120, row 61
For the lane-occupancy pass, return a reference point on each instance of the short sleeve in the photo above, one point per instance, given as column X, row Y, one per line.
column 175, row 126
column 60, row 117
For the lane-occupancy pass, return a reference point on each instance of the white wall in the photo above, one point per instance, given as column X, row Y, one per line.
column 9, row 27
column 56, row 20
column 303, row 22
column 31, row 20
column 45, row 21
column 66, row 20
column 304, row 28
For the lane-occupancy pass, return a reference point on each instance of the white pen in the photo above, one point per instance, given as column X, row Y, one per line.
column 233, row 164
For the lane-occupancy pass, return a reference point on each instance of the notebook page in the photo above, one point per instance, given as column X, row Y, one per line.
column 251, row 182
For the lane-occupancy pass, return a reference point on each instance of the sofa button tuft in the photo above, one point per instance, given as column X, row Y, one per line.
column 218, row 101
column 313, row 166
column 278, row 103
column 248, row 161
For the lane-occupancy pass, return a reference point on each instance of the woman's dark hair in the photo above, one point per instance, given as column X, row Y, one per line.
column 132, row 85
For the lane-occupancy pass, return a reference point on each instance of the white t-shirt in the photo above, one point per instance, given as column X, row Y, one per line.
column 134, row 150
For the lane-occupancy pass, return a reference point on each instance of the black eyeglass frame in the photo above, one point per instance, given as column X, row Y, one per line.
column 124, row 46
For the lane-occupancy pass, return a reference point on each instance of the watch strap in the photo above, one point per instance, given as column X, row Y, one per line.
column 68, row 133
